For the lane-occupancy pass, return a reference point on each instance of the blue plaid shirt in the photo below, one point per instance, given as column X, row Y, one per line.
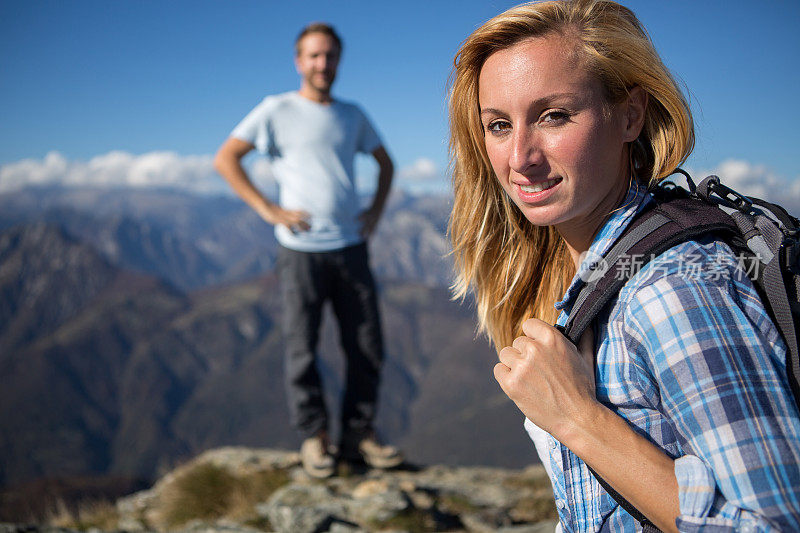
column 688, row 356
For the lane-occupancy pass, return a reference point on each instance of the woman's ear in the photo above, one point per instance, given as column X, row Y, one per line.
column 636, row 104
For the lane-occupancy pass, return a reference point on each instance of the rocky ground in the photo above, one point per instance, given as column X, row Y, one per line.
column 255, row 490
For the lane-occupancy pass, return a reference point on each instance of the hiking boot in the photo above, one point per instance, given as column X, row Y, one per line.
column 317, row 462
column 372, row 452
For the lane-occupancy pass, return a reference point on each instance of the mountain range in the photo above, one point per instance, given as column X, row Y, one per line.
column 139, row 328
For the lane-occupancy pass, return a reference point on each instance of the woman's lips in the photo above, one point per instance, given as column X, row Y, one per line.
column 530, row 192
column 539, row 187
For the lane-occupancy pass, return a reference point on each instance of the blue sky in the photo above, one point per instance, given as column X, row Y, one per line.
column 87, row 77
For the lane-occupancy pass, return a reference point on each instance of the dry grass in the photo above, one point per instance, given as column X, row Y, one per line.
column 536, row 509
column 88, row 515
column 406, row 520
column 535, row 480
column 203, row 492
column 540, row 505
column 208, row 492
column 457, row 504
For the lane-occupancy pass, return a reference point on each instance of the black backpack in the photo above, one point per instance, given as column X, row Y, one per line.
column 762, row 235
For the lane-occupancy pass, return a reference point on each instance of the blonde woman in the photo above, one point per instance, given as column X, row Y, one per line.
column 561, row 115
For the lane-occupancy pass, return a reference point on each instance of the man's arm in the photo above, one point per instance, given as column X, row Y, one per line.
column 228, row 162
column 369, row 218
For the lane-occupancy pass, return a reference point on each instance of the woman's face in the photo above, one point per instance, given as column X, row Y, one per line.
column 556, row 147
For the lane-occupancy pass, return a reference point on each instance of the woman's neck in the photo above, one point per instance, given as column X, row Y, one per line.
column 578, row 235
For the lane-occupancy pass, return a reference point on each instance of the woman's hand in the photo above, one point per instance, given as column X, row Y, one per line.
column 549, row 379
column 552, row 382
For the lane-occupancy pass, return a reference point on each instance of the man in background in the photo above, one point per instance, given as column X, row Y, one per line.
column 312, row 138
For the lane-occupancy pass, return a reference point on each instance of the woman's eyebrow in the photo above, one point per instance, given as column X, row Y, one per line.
column 544, row 101
column 491, row 111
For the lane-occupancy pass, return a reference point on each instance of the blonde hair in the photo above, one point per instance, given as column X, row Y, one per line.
column 518, row 270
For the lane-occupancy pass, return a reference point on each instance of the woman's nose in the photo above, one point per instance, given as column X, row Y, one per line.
column 525, row 151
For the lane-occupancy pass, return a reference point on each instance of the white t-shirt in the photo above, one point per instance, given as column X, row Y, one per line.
column 312, row 147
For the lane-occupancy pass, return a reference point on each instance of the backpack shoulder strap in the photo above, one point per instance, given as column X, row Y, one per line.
column 652, row 232
column 647, row 525
column 768, row 237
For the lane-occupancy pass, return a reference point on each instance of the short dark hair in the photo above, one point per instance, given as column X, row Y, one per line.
column 318, row 27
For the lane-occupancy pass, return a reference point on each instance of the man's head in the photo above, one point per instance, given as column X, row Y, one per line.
column 317, row 52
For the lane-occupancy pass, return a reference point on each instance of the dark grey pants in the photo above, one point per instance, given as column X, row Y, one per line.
column 343, row 277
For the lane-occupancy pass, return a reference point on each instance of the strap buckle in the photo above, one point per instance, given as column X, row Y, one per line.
column 791, row 254
column 730, row 197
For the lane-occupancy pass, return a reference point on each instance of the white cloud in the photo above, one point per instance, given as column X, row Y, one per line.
column 423, row 169
column 33, row 172
column 193, row 173
column 757, row 181
column 422, row 177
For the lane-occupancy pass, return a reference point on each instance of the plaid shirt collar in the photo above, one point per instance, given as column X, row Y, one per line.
column 635, row 201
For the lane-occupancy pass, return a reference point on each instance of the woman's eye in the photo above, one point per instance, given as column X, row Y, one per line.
column 555, row 117
column 498, row 126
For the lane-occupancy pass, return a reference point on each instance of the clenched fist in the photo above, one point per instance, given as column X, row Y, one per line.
column 550, row 380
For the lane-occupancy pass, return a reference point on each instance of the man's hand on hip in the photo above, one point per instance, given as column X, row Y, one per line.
column 295, row 220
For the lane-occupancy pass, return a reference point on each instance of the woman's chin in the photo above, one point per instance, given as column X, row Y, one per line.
column 543, row 216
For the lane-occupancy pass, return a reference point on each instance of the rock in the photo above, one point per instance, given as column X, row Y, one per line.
column 134, row 509
column 471, row 499
column 239, row 460
column 129, row 523
column 302, row 509
column 482, row 487
column 33, row 528
column 421, row 500
column 220, row 526
column 339, row 527
column 485, row 520
column 369, row 488
column 547, row 526
column 379, row 507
